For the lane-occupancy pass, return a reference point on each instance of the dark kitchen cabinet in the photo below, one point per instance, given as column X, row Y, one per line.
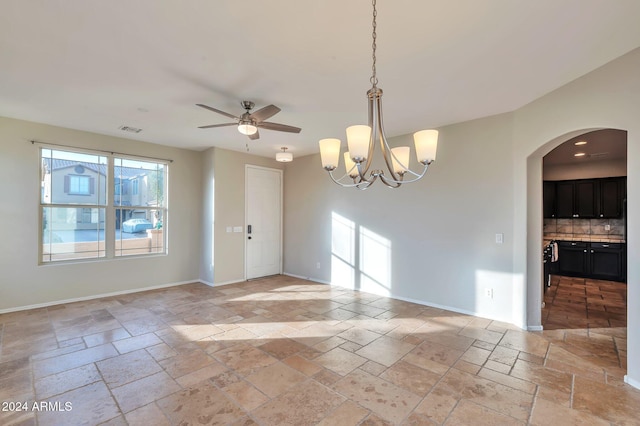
column 612, row 194
column 606, row 261
column 549, row 198
column 564, row 199
column 584, row 198
column 576, row 198
column 572, row 258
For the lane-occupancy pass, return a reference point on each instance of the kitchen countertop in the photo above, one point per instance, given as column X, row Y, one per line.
column 594, row 238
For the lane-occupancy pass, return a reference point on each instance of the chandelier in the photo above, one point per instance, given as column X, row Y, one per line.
column 362, row 139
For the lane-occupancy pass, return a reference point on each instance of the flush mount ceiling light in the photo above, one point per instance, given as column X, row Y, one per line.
column 284, row 156
column 362, row 140
column 580, row 143
column 579, row 154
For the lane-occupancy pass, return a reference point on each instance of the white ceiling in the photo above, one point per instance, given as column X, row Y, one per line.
column 97, row 65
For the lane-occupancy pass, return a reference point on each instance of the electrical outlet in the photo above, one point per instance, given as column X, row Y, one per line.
column 318, row 265
column 607, row 227
column 488, row 292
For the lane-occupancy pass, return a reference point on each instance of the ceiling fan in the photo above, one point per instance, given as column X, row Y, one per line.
column 248, row 123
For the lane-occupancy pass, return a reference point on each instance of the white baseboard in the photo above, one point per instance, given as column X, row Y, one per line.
column 225, row 283
column 452, row 309
column 315, row 280
column 95, row 296
column 206, row 283
column 628, row 380
column 418, row 302
column 534, row 328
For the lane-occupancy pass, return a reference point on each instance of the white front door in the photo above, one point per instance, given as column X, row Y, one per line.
column 263, row 231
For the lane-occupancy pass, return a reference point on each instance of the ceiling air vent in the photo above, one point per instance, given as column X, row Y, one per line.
column 598, row 154
column 130, row 129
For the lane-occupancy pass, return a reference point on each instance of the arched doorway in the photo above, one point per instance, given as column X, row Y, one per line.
column 535, row 272
column 584, row 231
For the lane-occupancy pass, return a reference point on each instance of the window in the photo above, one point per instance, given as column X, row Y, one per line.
column 79, row 185
column 83, row 218
column 141, row 214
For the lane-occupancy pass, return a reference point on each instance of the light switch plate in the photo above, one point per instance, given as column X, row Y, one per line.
column 229, row 229
column 237, row 229
column 499, row 238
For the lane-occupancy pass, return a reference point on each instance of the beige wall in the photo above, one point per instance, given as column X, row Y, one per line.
column 224, row 205
column 24, row 283
column 439, row 232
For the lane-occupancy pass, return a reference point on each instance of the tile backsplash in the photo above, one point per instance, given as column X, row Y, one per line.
column 584, row 227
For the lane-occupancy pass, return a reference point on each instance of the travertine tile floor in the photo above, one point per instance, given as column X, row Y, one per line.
column 282, row 351
column 584, row 303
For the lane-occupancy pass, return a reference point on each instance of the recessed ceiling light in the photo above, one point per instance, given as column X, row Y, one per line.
column 579, row 154
column 580, row 143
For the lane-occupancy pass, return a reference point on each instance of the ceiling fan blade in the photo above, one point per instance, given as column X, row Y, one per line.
column 226, row 114
column 211, row 126
column 279, row 127
column 264, row 113
column 254, row 136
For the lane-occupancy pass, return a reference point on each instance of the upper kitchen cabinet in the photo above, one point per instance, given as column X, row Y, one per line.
column 549, row 198
column 584, row 198
column 576, row 198
column 612, row 194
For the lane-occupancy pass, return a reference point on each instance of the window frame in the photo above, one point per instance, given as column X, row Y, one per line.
column 109, row 206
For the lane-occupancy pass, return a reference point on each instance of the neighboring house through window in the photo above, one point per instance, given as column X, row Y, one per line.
column 75, row 203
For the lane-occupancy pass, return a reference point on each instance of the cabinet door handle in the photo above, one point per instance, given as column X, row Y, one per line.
column 601, row 215
column 605, row 245
column 586, row 251
column 573, row 244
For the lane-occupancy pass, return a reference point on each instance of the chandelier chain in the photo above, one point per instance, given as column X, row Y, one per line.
column 374, row 35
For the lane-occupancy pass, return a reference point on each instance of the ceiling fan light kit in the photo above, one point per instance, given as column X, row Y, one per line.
column 362, row 139
column 248, row 123
column 247, row 129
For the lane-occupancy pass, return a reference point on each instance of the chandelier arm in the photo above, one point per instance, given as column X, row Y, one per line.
column 350, row 185
column 384, row 145
column 367, row 183
column 362, row 173
column 418, row 176
column 391, row 183
column 372, row 145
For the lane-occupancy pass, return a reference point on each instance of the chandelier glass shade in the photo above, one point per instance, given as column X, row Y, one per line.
column 363, row 139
